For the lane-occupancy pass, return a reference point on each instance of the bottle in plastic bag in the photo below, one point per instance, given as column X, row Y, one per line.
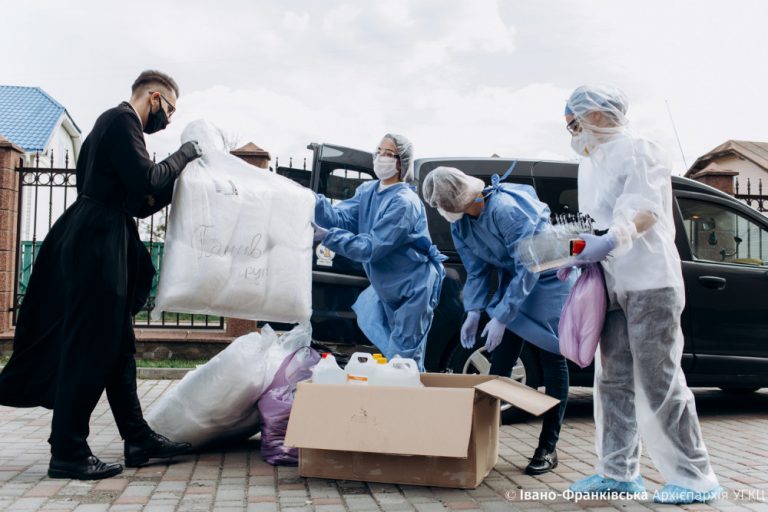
column 327, row 371
column 361, row 368
column 553, row 247
column 398, row 372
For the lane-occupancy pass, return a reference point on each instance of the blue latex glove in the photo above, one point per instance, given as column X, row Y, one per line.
column 319, row 233
column 493, row 333
column 597, row 247
column 469, row 329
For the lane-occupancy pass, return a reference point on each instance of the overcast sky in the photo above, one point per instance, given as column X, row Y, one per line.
column 460, row 78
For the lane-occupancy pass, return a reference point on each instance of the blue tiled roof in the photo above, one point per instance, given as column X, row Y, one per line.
column 28, row 116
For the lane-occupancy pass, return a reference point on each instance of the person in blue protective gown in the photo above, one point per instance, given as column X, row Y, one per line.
column 486, row 225
column 384, row 227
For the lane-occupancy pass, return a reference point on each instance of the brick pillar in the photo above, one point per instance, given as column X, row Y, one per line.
column 254, row 155
column 10, row 159
column 257, row 157
column 721, row 179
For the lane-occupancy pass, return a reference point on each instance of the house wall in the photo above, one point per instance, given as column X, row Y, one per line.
column 746, row 169
column 61, row 142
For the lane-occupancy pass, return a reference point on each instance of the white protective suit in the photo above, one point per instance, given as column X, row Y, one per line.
column 640, row 389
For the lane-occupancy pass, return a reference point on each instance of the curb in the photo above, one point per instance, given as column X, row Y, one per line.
column 156, row 373
column 162, row 373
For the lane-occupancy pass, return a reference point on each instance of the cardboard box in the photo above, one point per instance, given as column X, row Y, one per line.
column 445, row 434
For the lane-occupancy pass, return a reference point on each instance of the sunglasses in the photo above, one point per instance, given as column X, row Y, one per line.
column 573, row 127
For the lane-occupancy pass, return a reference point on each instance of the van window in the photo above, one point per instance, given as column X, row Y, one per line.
column 718, row 234
column 560, row 194
column 340, row 184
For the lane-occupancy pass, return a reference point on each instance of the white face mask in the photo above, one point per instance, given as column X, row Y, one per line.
column 583, row 142
column 450, row 216
column 385, row 167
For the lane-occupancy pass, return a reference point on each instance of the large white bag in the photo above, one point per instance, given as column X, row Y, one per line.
column 239, row 239
column 217, row 401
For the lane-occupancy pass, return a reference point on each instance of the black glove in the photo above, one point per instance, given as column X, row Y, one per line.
column 191, row 150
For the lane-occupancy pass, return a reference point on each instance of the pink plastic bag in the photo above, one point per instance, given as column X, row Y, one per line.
column 275, row 406
column 581, row 321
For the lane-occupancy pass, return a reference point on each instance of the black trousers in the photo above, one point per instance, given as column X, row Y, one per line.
column 555, row 370
column 77, row 396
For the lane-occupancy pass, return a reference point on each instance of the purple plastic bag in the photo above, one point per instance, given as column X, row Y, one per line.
column 275, row 406
column 581, row 321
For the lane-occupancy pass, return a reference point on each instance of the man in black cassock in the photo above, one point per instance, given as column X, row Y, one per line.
column 74, row 334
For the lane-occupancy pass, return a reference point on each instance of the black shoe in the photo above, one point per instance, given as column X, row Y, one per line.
column 154, row 446
column 89, row 468
column 542, row 462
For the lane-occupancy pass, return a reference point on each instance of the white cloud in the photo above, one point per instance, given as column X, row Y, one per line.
column 395, row 15
column 458, row 77
column 524, row 122
column 281, row 124
column 342, row 23
column 470, row 27
column 295, row 21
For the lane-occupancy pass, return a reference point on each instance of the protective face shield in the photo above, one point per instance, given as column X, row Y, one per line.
column 156, row 121
column 450, row 216
column 384, row 166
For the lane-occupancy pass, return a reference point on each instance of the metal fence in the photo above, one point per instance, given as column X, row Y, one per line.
column 44, row 194
column 754, row 196
column 290, row 163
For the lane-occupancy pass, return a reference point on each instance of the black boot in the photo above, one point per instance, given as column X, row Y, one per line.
column 154, row 446
column 89, row 468
column 542, row 462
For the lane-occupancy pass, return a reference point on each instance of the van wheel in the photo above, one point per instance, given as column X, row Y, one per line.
column 476, row 362
column 733, row 390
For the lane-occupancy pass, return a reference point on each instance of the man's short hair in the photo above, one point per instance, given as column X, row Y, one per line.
column 152, row 76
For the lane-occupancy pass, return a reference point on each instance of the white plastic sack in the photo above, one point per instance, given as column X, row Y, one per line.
column 217, row 401
column 239, row 239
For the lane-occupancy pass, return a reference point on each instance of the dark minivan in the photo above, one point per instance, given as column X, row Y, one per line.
column 723, row 245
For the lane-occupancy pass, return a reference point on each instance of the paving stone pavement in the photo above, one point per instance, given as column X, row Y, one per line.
column 237, row 479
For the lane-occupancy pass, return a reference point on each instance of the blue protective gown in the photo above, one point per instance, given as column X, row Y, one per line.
column 386, row 231
column 529, row 304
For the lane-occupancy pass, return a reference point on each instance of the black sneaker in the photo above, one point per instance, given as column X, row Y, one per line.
column 543, row 461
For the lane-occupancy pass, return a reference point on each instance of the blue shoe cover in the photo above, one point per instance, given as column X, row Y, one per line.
column 676, row 495
column 600, row 484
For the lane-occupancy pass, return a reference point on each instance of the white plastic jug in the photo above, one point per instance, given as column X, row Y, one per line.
column 361, row 368
column 327, row 371
column 398, row 372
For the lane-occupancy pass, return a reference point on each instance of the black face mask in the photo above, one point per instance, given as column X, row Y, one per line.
column 156, row 121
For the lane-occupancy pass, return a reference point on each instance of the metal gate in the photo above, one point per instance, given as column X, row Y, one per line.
column 44, row 194
column 758, row 201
